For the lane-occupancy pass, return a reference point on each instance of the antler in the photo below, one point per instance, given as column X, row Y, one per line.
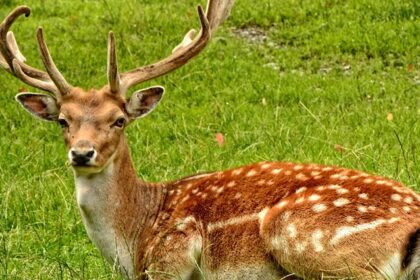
column 217, row 11
column 13, row 61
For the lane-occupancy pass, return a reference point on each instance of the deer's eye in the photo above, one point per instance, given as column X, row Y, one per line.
column 63, row 123
column 119, row 122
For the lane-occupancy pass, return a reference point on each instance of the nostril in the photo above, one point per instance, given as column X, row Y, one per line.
column 90, row 154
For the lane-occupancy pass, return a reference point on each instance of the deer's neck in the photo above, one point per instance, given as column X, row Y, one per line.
column 117, row 208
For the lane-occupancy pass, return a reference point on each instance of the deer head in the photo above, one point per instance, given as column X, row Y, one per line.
column 93, row 121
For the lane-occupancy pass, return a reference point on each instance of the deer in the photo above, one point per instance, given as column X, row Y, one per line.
column 268, row 220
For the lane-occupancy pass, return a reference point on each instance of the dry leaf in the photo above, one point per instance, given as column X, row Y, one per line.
column 220, row 139
column 390, row 117
column 339, row 148
column 410, row 67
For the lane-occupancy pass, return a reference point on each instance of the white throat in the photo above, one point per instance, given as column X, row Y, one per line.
column 97, row 210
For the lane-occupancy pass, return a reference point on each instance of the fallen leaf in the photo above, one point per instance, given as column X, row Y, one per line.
column 339, row 148
column 410, row 67
column 220, row 139
column 390, row 117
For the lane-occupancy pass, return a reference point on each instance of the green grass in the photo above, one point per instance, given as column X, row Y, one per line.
column 319, row 74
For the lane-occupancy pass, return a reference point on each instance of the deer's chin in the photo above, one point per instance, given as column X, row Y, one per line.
column 87, row 170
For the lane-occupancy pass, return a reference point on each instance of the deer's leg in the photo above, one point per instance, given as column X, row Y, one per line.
column 176, row 255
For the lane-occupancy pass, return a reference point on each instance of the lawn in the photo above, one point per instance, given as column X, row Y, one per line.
column 331, row 82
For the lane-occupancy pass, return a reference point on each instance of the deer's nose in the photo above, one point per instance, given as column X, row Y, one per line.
column 82, row 154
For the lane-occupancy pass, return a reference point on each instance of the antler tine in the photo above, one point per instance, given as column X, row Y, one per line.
column 52, row 70
column 47, row 86
column 113, row 75
column 217, row 11
column 9, row 49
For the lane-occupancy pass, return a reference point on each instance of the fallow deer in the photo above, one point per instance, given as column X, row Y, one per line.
column 269, row 220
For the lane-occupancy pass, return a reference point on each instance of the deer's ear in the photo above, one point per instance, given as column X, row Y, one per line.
column 39, row 105
column 142, row 102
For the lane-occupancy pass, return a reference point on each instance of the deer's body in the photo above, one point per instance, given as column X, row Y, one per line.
column 263, row 221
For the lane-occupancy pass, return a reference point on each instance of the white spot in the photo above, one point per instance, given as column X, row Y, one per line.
column 380, row 182
column 408, row 200
column 185, row 198
column 362, row 209
column 356, row 189
column 301, row 246
column 334, row 187
column 396, row 197
column 275, row 171
column 345, row 231
column 393, row 210
column 237, row 195
column 316, row 237
column 368, row 180
column 314, row 197
column 341, row 202
column 371, row 208
column 318, row 177
column 298, row 167
column 265, row 165
column 406, row 209
column 220, row 190
column 342, row 191
column 261, row 182
column 354, row 177
column 231, row 184
column 251, row 173
column 349, row 219
column 344, row 177
column 315, row 173
column 237, row 172
column 300, row 200
column 327, row 168
column 194, row 191
column 270, row 183
column 302, row 189
column 262, row 214
column 287, row 172
column 363, row 196
column 189, row 185
column 397, row 189
column 393, row 220
column 286, row 215
column 319, row 207
column 171, row 192
column 291, row 229
column 320, row 188
column 282, row 204
column 302, row 177
column 335, row 176
column 233, row 221
column 214, row 188
column 203, row 195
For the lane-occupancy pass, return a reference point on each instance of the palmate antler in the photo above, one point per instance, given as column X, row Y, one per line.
column 53, row 81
